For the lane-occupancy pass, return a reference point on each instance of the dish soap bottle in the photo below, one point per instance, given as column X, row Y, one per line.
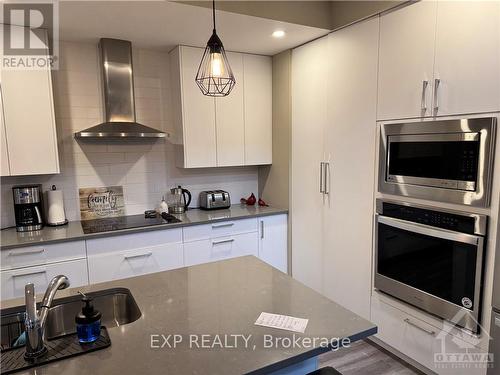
column 88, row 322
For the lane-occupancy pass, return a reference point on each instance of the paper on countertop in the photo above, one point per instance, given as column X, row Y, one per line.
column 285, row 322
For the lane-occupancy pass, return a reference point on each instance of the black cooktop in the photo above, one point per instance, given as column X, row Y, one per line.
column 125, row 222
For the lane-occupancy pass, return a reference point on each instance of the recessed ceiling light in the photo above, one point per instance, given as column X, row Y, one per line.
column 278, row 34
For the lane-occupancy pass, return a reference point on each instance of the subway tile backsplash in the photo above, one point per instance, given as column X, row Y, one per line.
column 145, row 169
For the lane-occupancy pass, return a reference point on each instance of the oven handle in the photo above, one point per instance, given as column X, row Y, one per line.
column 429, row 231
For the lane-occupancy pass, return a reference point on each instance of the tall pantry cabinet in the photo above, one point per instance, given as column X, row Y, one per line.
column 334, row 90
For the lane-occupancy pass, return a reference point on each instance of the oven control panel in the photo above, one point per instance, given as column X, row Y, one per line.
column 445, row 220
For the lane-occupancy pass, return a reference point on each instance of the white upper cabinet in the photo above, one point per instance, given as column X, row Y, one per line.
column 225, row 131
column 406, row 61
column 258, row 109
column 439, row 59
column 197, row 111
column 230, row 119
column 467, row 57
column 29, row 121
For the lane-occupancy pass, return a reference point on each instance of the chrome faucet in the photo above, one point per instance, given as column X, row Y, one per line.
column 35, row 321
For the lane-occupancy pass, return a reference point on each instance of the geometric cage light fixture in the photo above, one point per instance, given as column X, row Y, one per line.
column 214, row 76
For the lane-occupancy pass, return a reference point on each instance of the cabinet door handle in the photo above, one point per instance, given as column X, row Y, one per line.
column 430, row 332
column 423, row 101
column 327, row 177
column 437, row 81
column 20, row 274
column 14, row 254
column 262, row 229
column 215, row 226
column 146, row 254
column 321, row 167
column 222, row 241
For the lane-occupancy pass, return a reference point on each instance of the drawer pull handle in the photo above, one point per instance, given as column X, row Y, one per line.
column 148, row 254
column 430, row 332
column 222, row 241
column 20, row 274
column 215, row 226
column 13, row 253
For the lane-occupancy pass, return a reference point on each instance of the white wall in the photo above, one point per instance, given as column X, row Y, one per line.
column 145, row 169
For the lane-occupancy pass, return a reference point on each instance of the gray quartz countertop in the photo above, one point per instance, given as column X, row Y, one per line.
column 220, row 298
column 73, row 230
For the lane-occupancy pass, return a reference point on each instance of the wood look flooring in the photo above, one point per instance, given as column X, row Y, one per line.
column 364, row 357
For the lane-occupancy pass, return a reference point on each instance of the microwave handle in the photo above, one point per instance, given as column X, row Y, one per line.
column 427, row 230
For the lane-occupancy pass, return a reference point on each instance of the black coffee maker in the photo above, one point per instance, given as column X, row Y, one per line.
column 28, row 207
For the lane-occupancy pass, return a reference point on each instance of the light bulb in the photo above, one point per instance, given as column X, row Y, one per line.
column 216, row 65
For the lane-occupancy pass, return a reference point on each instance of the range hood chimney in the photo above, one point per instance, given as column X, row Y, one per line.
column 119, row 105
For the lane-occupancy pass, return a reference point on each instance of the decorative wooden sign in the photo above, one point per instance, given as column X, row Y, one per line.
column 101, row 202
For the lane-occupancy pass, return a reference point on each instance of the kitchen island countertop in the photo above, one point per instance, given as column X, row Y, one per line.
column 221, row 298
column 73, row 230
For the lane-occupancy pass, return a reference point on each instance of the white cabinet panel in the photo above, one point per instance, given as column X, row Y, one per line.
column 42, row 254
column 273, row 241
column 309, row 120
column 468, row 57
column 230, row 119
column 219, row 229
column 258, row 88
column 198, row 114
column 406, row 60
column 129, row 263
column 133, row 241
column 424, row 342
column 349, row 207
column 29, row 119
column 13, row 281
column 198, row 252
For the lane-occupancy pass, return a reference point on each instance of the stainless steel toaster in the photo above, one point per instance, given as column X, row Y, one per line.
column 213, row 199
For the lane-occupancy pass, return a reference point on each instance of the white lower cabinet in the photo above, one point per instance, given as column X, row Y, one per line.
column 119, row 257
column 122, row 256
column 13, row 281
column 135, row 262
column 273, row 241
column 440, row 349
column 219, row 248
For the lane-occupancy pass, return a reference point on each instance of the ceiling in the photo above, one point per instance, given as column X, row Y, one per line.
column 163, row 25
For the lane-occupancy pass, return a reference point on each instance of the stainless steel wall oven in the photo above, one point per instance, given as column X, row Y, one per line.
column 446, row 160
column 431, row 259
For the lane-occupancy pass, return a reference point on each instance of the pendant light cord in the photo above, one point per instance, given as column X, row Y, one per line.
column 213, row 12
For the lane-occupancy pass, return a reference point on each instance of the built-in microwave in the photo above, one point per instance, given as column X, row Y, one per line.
column 446, row 160
column 432, row 259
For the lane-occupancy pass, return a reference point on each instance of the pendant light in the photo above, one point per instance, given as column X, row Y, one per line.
column 215, row 77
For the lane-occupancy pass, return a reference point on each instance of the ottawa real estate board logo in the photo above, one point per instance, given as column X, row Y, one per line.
column 30, row 35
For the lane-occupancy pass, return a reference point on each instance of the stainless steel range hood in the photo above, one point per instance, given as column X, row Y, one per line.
column 119, row 105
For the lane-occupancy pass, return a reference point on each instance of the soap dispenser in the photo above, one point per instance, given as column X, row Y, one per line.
column 88, row 321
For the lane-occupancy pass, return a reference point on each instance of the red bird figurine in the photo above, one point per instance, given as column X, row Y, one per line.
column 250, row 201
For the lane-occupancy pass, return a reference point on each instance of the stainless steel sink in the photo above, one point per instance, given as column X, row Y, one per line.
column 118, row 307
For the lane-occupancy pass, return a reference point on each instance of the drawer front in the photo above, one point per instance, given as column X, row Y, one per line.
column 220, row 229
column 198, row 252
column 133, row 241
column 409, row 335
column 115, row 266
column 13, row 281
column 42, row 254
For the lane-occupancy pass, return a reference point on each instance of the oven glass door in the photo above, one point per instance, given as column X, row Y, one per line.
column 439, row 160
column 442, row 267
